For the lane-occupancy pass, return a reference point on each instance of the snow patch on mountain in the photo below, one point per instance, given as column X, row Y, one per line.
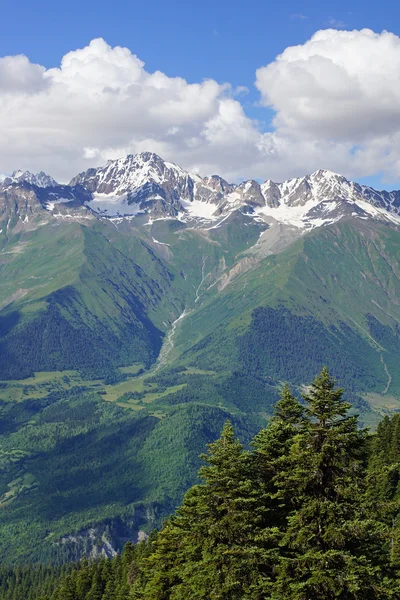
column 199, row 209
column 51, row 204
column 290, row 215
column 377, row 212
column 111, row 205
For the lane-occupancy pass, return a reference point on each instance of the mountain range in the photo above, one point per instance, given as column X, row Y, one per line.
column 142, row 305
column 146, row 184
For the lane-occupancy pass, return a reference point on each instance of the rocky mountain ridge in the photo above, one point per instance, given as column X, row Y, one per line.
column 146, row 184
column 38, row 179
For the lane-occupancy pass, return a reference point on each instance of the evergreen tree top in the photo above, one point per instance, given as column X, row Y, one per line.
column 325, row 402
column 288, row 409
column 274, row 440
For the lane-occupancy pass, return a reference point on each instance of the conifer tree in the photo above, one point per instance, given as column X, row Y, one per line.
column 97, row 587
column 67, row 590
column 383, row 471
column 394, row 454
column 224, row 540
column 109, row 591
column 274, row 441
column 210, row 548
column 331, row 548
column 383, row 481
column 83, row 580
column 272, row 447
column 272, row 444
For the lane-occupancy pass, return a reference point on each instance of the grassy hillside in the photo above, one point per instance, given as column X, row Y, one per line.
column 95, row 434
column 96, row 309
column 331, row 298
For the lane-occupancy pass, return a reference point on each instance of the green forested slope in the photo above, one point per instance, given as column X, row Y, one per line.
column 110, row 439
column 331, row 298
column 70, row 461
column 96, row 308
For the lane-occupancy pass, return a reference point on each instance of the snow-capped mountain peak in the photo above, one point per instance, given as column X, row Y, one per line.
column 325, row 197
column 123, row 175
column 39, row 179
column 146, row 184
column 137, row 183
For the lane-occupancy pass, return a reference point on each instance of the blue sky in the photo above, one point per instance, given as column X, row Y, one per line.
column 222, row 39
column 226, row 41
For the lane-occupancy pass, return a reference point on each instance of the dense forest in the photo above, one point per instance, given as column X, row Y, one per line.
column 309, row 511
column 76, row 462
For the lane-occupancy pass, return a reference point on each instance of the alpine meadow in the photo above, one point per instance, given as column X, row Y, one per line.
column 200, row 301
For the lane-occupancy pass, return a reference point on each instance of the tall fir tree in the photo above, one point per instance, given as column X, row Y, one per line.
column 331, row 549
column 224, row 541
column 271, row 454
column 214, row 547
column 275, row 440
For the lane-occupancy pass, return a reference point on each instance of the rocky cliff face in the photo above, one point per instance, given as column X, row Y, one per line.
column 107, row 539
column 24, row 205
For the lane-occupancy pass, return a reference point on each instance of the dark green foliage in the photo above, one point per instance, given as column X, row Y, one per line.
column 198, row 389
column 168, row 377
column 332, row 548
column 216, row 546
column 74, row 461
column 383, row 490
column 79, row 456
column 101, row 579
column 278, row 337
column 55, row 340
column 286, row 521
column 237, row 391
column 384, row 465
column 187, row 429
column 31, row 582
column 250, row 394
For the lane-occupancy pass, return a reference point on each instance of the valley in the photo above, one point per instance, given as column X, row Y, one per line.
column 141, row 306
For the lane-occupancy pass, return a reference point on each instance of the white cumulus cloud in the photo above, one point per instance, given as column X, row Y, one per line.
column 340, row 91
column 343, row 84
column 336, row 101
column 101, row 103
column 18, row 75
